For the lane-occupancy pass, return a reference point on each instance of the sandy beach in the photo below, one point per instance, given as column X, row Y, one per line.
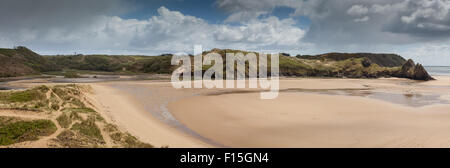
column 130, row 114
column 307, row 119
column 309, row 112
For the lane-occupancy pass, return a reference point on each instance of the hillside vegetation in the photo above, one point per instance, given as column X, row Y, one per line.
column 357, row 65
column 385, row 60
column 22, row 61
column 135, row 64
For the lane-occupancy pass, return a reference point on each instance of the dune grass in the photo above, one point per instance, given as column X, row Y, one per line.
column 64, row 120
column 71, row 74
column 24, row 96
column 89, row 129
column 81, row 125
column 21, row 131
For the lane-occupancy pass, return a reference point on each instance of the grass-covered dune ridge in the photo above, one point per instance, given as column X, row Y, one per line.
column 57, row 116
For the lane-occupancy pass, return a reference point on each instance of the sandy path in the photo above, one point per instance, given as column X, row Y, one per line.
column 23, row 114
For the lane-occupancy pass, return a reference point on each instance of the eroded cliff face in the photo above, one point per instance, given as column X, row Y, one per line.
column 414, row 71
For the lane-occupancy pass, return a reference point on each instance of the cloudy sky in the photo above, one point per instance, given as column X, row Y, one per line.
column 418, row 29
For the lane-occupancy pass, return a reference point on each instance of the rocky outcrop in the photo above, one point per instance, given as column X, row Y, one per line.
column 421, row 74
column 414, row 71
column 366, row 62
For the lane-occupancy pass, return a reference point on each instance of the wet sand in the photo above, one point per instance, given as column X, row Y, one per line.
column 131, row 113
column 311, row 119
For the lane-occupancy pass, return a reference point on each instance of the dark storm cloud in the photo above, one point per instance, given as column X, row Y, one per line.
column 362, row 21
column 350, row 22
column 22, row 20
column 45, row 13
column 426, row 18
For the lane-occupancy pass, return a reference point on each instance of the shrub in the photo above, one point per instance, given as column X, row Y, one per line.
column 64, row 120
column 71, row 74
column 25, row 131
column 89, row 129
column 25, row 96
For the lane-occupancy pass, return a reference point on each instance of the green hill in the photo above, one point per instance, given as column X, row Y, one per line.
column 115, row 63
column 22, row 61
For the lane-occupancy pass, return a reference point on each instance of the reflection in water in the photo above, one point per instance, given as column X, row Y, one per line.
column 5, row 88
column 108, row 78
column 414, row 100
column 409, row 99
column 84, row 80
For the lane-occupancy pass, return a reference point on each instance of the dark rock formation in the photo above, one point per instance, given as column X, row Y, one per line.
column 421, row 74
column 366, row 62
column 408, row 69
column 285, row 54
column 412, row 71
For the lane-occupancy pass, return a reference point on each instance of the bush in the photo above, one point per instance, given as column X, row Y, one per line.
column 89, row 129
column 64, row 120
column 71, row 74
column 25, row 131
column 25, row 96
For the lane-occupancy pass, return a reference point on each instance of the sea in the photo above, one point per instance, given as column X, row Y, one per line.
column 438, row 70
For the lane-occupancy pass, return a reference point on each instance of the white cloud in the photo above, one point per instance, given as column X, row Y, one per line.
column 432, row 14
column 172, row 31
column 431, row 54
column 358, row 10
column 271, row 31
column 392, row 7
column 245, row 10
column 167, row 32
column 363, row 19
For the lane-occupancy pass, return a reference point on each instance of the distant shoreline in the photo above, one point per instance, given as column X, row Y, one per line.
column 438, row 70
